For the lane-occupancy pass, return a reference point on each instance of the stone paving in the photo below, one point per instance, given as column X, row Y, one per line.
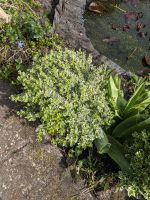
column 29, row 170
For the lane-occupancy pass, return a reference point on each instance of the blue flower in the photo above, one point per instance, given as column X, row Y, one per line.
column 20, row 44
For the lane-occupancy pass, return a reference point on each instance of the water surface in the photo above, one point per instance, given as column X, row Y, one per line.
column 128, row 47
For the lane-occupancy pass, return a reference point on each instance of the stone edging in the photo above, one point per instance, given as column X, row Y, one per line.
column 69, row 23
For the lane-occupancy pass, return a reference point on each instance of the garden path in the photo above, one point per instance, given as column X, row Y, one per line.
column 29, row 170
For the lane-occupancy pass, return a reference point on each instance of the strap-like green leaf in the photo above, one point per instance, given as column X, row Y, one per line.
column 144, row 124
column 121, row 104
column 126, row 125
column 135, row 97
column 115, row 94
column 113, row 91
column 116, row 152
column 102, row 144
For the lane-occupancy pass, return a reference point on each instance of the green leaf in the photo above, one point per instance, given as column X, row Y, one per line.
column 102, row 144
column 138, row 107
column 126, row 125
column 116, row 95
column 116, row 152
column 107, row 144
column 139, row 126
column 137, row 98
column 113, row 91
column 121, row 104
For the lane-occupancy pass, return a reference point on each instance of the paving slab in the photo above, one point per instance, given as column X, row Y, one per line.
column 33, row 171
column 29, row 170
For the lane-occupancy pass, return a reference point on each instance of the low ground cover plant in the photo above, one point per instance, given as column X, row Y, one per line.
column 138, row 153
column 28, row 33
column 83, row 107
column 69, row 96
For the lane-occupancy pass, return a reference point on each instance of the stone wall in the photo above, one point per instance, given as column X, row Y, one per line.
column 49, row 5
column 69, row 23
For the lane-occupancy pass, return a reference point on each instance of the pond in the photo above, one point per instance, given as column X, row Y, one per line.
column 121, row 32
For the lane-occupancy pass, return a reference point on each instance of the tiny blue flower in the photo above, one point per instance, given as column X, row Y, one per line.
column 20, row 44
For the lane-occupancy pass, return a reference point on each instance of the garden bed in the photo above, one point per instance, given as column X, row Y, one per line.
column 77, row 106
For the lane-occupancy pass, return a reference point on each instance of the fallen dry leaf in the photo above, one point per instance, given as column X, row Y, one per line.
column 3, row 16
column 96, row 8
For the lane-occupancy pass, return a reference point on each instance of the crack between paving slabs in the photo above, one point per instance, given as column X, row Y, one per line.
column 13, row 152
